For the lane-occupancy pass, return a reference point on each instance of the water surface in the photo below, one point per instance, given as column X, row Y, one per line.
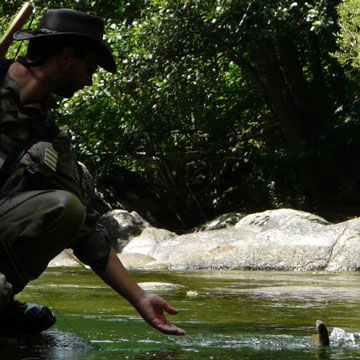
column 231, row 315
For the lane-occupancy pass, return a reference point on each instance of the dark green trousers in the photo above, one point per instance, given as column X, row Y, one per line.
column 35, row 226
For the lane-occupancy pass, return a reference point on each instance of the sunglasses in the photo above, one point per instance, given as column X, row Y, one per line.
column 91, row 65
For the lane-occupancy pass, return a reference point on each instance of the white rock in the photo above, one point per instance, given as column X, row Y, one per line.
column 148, row 241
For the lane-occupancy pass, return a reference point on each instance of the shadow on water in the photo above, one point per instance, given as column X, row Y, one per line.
column 230, row 315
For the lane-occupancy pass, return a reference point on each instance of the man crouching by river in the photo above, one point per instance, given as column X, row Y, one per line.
column 45, row 195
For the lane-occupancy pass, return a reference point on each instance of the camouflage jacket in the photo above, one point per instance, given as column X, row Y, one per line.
column 17, row 122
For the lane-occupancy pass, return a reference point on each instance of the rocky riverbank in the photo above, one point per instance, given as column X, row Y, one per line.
column 282, row 239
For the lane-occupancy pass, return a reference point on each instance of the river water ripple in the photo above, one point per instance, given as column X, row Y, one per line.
column 227, row 315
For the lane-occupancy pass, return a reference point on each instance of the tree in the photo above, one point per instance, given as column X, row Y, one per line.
column 220, row 105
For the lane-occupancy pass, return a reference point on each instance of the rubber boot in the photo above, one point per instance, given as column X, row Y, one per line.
column 18, row 318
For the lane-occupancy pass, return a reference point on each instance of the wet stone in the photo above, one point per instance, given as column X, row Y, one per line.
column 49, row 344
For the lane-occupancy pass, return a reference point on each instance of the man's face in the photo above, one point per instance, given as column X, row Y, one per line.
column 76, row 74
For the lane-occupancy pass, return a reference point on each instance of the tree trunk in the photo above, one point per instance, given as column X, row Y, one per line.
column 285, row 89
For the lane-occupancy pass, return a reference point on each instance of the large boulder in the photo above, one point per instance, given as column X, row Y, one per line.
column 287, row 220
column 345, row 254
column 282, row 239
column 134, row 261
column 149, row 240
column 224, row 221
column 122, row 226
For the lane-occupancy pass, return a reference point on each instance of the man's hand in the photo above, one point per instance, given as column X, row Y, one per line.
column 151, row 307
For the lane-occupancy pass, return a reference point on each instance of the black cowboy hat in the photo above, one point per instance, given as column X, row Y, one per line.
column 73, row 24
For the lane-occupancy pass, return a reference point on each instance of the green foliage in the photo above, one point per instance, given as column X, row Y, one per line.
column 349, row 35
column 199, row 84
column 175, row 108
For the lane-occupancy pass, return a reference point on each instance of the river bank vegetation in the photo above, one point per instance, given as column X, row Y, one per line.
column 219, row 106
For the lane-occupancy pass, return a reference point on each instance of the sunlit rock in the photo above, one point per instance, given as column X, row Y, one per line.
column 283, row 239
column 224, row 221
column 122, row 226
column 65, row 258
column 136, row 261
column 149, row 240
column 160, row 286
column 287, row 220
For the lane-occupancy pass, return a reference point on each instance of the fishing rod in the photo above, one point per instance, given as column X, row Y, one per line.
column 19, row 21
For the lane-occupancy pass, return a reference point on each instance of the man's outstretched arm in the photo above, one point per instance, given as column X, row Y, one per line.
column 151, row 307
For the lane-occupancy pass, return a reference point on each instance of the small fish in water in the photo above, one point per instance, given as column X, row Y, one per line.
column 192, row 293
column 322, row 337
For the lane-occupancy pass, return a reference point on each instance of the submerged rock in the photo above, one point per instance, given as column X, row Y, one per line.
column 55, row 340
column 160, row 286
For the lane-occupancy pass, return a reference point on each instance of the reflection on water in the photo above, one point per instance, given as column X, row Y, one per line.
column 235, row 315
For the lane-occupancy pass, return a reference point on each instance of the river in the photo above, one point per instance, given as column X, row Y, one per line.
column 227, row 315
